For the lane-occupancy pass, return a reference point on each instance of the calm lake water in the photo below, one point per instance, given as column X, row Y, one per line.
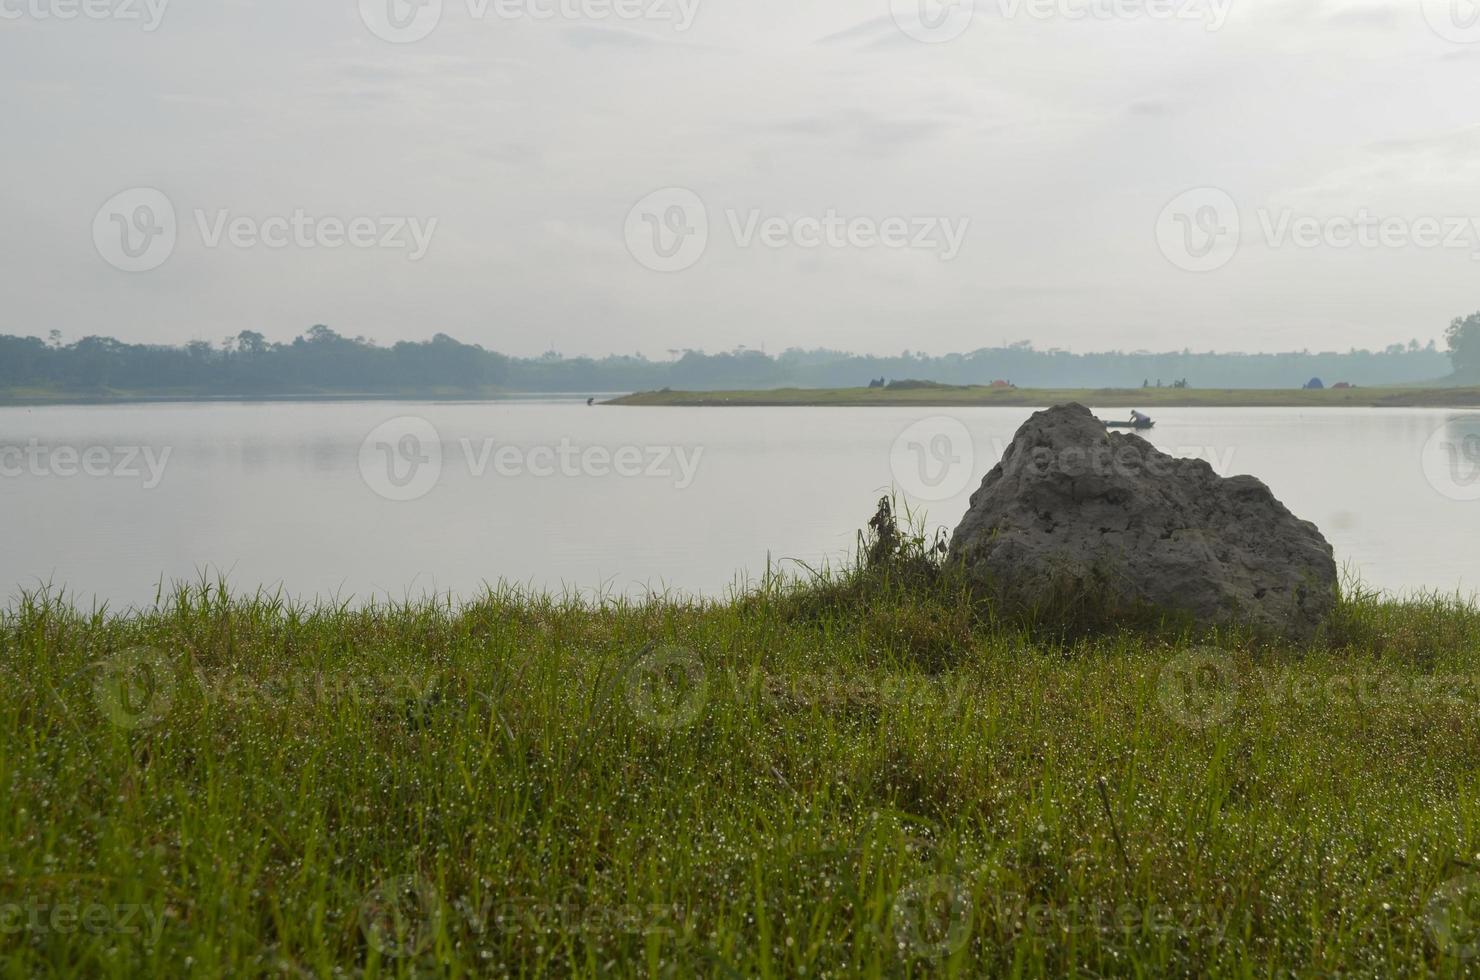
column 402, row 499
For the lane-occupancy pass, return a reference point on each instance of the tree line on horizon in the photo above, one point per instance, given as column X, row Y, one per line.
column 324, row 361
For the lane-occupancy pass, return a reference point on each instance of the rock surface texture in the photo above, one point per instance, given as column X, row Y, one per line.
column 1074, row 516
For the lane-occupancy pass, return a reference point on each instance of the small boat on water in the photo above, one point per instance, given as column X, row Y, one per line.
column 1136, row 421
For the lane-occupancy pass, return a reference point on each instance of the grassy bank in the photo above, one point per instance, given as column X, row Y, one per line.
column 930, row 395
column 863, row 776
column 1145, row 398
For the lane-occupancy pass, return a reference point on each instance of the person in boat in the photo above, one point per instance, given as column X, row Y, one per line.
column 1138, row 419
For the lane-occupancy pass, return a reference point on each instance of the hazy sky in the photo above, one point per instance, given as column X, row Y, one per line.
column 522, row 175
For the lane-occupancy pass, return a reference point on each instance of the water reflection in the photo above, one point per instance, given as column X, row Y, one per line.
column 555, row 495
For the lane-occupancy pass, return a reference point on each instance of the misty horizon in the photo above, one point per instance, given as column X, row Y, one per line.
column 654, row 174
column 1412, row 344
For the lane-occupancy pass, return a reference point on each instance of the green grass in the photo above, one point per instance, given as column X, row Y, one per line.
column 862, row 775
column 1146, row 398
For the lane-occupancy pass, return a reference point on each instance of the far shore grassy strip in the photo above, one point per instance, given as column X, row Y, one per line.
column 925, row 395
column 862, row 774
column 984, row 396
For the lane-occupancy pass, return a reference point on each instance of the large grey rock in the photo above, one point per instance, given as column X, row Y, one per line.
column 1076, row 516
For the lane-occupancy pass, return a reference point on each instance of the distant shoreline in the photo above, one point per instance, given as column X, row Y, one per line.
column 945, row 396
column 40, row 399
